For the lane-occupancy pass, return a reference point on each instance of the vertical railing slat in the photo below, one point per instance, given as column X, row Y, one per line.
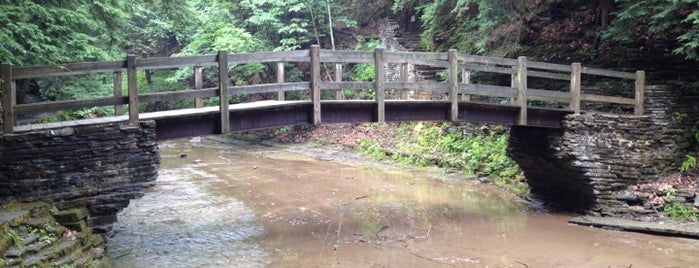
column 279, row 71
column 223, row 91
column 465, row 79
column 118, row 85
column 404, row 94
column 198, row 84
column 8, row 99
column 379, row 85
column 575, row 87
column 522, row 90
column 339, row 94
column 315, row 83
column 454, row 84
column 132, row 85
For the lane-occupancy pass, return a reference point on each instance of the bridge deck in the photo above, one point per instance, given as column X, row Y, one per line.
column 265, row 114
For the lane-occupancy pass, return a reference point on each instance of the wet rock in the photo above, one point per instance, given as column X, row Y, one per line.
column 485, row 179
column 627, row 196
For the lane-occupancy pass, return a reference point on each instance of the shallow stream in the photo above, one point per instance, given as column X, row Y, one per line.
column 231, row 205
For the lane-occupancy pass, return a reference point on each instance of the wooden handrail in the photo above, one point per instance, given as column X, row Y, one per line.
column 519, row 92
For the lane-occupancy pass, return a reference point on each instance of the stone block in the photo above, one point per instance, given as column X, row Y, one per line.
column 70, row 215
column 627, row 196
column 79, row 226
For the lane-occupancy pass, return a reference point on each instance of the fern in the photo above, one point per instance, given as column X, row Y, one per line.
column 689, row 162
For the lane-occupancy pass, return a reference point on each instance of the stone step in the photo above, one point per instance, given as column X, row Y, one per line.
column 57, row 250
column 81, row 256
column 13, row 219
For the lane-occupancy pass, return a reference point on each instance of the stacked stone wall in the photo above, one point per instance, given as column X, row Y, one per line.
column 98, row 167
column 587, row 164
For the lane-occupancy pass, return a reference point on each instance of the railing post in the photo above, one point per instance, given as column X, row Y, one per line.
column 339, row 94
column 118, row 109
column 223, row 91
column 8, row 99
column 404, row 78
column 575, row 87
column 315, row 83
column 379, row 85
column 465, row 79
column 198, row 84
column 454, row 84
column 522, row 90
column 279, row 71
column 131, row 84
column 640, row 92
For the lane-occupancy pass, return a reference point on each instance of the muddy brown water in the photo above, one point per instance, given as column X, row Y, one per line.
column 233, row 205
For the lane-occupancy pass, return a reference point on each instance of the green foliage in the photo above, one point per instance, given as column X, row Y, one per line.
column 48, row 32
column 689, row 163
column 371, row 148
column 16, row 239
column 679, row 117
column 680, row 212
column 429, row 143
column 363, row 72
column 637, row 22
column 467, row 25
column 282, row 130
column 320, row 143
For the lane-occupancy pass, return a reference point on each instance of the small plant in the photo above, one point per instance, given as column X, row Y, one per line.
column 372, row 149
column 679, row 117
column 282, row 130
column 48, row 238
column 320, row 143
column 680, row 212
column 16, row 239
column 689, row 163
column 372, row 124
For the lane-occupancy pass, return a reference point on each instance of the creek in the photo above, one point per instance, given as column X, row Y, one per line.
column 224, row 204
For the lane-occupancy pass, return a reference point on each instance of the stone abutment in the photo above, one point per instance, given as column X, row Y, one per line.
column 588, row 164
column 100, row 168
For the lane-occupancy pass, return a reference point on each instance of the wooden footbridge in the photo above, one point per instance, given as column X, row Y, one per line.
column 457, row 104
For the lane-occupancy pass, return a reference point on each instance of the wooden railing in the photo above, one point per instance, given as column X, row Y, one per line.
column 519, row 69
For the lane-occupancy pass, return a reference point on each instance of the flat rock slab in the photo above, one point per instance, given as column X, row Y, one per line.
column 13, row 217
column 689, row 230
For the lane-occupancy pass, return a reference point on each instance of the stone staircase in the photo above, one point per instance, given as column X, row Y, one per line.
column 31, row 236
column 396, row 40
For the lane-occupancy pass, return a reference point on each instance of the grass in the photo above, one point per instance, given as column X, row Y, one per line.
column 450, row 147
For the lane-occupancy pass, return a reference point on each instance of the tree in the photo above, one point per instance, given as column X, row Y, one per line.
column 651, row 22
column 48, row 32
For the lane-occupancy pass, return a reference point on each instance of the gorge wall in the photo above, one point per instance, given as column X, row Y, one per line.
column 589, row 163
column 100, row 168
